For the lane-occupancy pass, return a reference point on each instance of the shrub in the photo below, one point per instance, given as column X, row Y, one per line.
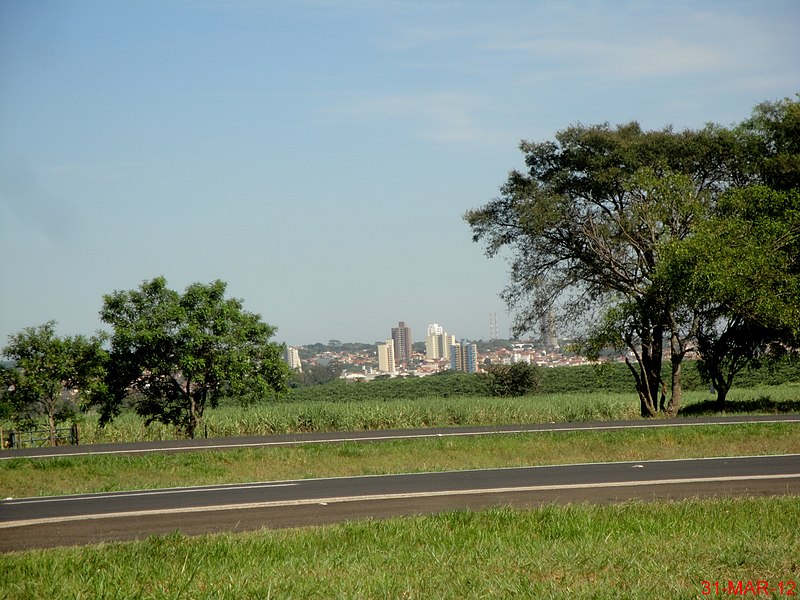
column 518, row 379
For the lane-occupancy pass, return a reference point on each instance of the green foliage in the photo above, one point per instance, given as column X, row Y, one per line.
column 775, row 370
column 608, row 377
column 518, row 379
column 667, row 235
column 310, row 350
column 375, row 414
column 742, row 267
column 585, row 379
column 586, row 224
column 615, row 377
column 442, row 385
column 748, row 257
column 773, row 131
column 177, row 353
column 583, row 221
column 316, row 374
column 485, row 346
column 49, row 374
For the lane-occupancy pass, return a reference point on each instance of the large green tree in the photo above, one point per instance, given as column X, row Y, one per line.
column 612, row 224
column 175, row 354
column 740, row 268
column 746, row 267
column 586, row 224
column 48, row 374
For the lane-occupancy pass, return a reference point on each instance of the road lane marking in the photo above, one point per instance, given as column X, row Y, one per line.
column 381, row 438
column 398, row 496
column 138, row 493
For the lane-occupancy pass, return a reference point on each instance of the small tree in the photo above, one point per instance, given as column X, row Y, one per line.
column 49, row 374
column 728, row 345
column 176, row 354
column 517, row 379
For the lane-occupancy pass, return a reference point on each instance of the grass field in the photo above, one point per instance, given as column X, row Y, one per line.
column 26, row 477
column 290, row 417
column 293, row 417
column 632, row 550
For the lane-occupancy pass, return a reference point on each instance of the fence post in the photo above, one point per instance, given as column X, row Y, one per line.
column 73, row 434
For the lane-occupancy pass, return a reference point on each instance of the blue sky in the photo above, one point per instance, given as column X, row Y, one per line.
column 319, row 155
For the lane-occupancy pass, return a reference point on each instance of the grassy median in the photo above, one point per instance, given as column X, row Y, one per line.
column 631, row 550
column 34, row 477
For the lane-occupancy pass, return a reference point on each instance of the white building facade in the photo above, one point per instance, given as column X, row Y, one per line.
column 292, row 358
column 386, row 361
column 438, row 343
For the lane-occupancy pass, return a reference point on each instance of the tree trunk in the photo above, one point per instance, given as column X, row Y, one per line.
column 677, row 390
column 646, row 405
column 192, row 424
column 723, row 387
column 648, row 409
column 51, row 421
column 652, row 346
column 676, row 358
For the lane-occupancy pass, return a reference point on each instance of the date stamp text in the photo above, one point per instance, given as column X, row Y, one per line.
column 749, row 587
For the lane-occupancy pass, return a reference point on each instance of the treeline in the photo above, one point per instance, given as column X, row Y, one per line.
column 443, row 385
column 615, row 377
column 310, row 350
column 605, row 377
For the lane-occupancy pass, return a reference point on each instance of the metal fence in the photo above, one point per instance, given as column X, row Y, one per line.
column 35, row 438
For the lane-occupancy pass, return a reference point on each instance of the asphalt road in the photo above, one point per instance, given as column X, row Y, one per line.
column 376, row 435
column 89, row 518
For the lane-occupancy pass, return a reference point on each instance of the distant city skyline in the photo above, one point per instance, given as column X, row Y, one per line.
column 372, row 361
column 318, row 156
column 420, row 339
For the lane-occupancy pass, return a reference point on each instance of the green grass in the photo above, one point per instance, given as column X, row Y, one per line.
column 25, row 477
column 631, row 550
column 291, row 417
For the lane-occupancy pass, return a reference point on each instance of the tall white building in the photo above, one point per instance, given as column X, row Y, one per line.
column 292, row 357
column 438, row 342
column 386, row 362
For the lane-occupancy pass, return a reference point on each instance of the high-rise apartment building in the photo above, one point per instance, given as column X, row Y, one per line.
column 464, row 357
column 401, row 337
column 386, row 363
column 438, row 342
column 292, row 357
